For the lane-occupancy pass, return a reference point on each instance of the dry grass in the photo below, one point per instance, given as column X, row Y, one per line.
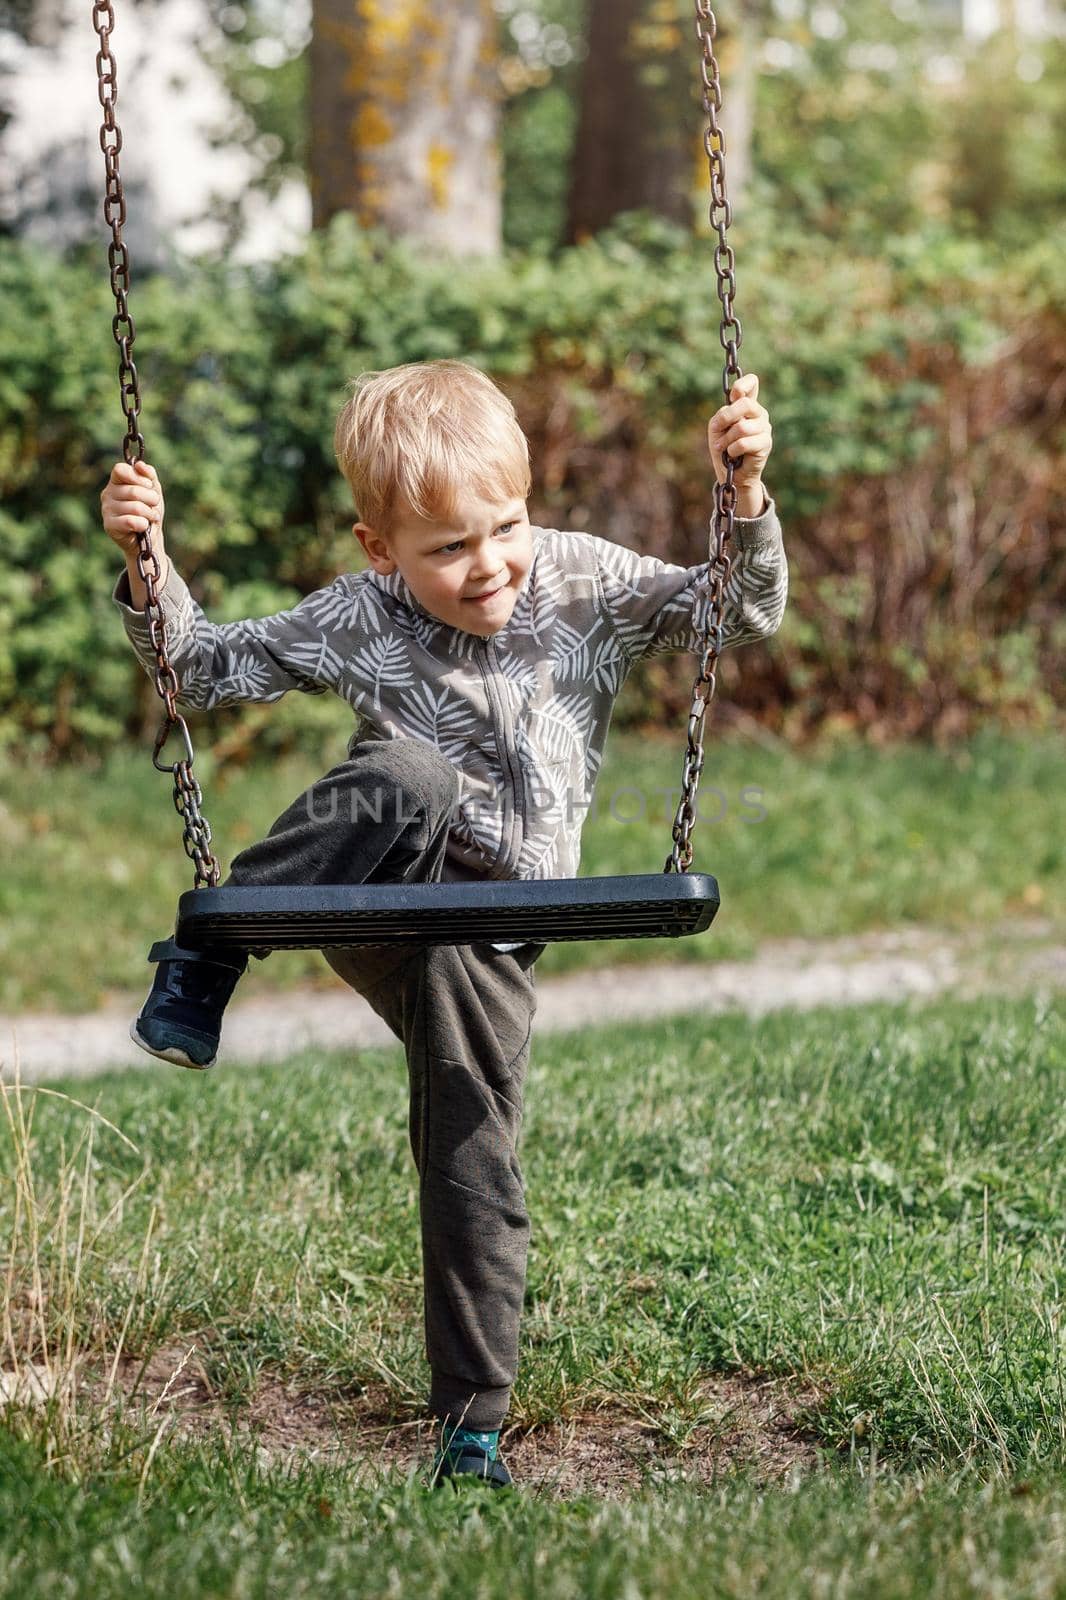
column 46, row 1337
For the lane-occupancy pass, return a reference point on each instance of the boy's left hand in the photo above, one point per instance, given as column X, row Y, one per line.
column 741, row 425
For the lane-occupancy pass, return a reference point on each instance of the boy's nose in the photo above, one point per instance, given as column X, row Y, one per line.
column 486, row 570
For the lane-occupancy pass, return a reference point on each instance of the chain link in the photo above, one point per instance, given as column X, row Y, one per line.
column 725, row 494
column 196, row 834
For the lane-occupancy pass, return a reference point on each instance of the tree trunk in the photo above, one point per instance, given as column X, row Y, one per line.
column 404, row 119
column 637, row 120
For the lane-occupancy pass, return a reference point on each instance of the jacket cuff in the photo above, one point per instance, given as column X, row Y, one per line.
column 751, row 532
column 173, row 596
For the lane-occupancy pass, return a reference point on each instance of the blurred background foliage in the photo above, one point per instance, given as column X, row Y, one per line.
column 900, row 248
column 869, row 118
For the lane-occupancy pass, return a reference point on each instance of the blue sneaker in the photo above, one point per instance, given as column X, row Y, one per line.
column 181, row 1020
column 464, row 1454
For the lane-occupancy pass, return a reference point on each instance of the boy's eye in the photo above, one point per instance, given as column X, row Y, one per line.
column 457, row 544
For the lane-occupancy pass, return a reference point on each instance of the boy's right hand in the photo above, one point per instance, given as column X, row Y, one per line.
column 133, row 499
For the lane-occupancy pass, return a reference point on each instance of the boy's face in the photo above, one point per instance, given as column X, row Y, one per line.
column 466, row 572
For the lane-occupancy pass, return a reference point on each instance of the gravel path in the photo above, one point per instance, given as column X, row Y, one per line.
column 799, row 973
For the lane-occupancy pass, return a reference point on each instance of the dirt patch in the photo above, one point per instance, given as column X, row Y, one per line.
column 750, row 1422
column 752, row 1425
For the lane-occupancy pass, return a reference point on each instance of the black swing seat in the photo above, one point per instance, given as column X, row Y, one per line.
column 338, row 916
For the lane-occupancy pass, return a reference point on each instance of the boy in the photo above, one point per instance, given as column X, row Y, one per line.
column 482, row 657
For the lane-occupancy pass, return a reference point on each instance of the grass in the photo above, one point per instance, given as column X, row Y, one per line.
column 852, row 839
column 225, row 1527
column 870, row 1204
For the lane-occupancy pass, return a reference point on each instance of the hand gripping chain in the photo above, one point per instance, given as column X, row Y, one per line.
column 196, row 834
column 725, row 494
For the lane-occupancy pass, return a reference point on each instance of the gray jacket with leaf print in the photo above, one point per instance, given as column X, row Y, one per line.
column 523, row 715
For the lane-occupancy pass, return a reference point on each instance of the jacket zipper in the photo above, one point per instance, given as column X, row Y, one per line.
column 502, row 722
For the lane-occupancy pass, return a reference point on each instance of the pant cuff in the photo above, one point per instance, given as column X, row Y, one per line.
column 458, row 1403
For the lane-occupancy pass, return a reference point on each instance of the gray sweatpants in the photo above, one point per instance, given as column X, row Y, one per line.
column 464, row 1014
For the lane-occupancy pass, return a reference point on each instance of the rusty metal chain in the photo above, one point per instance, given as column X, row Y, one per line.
column 196, row 832
column 725, row 494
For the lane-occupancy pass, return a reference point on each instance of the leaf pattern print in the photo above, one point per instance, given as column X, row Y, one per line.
column 607, row 669
column 424, row 630
column 317, row 660
column 348, row 608
column 463, row 825
column 520, row 678
column 541, row 609
column 461, row 646
column 440, row 718
column 385, row 660
column 589, row 609
column 196, row 687
column 657, row 607
column 560, row 728
column 540, row 856
column 568, row 649
column 247, row 678
column 238, row 633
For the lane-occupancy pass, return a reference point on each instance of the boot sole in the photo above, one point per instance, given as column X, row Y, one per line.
column 171, row 1053
column 472, row 1473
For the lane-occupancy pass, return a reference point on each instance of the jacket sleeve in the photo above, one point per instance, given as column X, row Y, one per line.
column 656, row 607
column 260, row 659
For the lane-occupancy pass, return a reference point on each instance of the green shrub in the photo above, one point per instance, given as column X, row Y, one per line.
column 916, row 435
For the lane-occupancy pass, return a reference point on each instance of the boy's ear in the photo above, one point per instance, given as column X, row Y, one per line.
column 377, row 551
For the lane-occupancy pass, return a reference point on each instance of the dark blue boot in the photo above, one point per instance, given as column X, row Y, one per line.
column 181, row 1020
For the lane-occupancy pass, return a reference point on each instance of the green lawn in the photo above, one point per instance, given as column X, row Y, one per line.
column 832, row 841
column 869, row 1206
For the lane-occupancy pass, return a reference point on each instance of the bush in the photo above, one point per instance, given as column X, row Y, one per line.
column 918, row 434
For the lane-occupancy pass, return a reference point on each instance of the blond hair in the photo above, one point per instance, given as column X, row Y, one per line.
column 426, row 432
